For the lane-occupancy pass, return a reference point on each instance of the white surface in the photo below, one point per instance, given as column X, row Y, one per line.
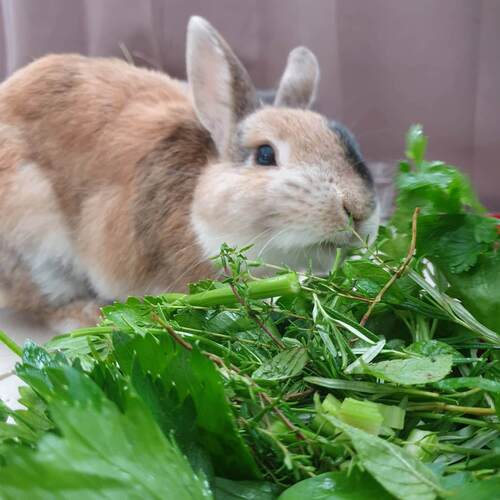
column 19, row 328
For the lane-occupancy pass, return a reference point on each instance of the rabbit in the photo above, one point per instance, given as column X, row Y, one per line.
column 117, row 180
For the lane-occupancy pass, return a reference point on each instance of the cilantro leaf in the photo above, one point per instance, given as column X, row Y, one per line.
column 434, row 187
column 455, row 241
column 416, row 144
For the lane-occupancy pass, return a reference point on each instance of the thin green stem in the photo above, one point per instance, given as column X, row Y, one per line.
column 471, row 410
column 451, row 448
column 15, row 348
column 459, row 420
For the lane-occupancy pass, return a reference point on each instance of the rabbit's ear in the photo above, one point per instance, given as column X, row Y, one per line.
column 299, row 82
column 222, row 91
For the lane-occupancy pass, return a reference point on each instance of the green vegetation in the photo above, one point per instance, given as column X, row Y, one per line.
column 380, row 380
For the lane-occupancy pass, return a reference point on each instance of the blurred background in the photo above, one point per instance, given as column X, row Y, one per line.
column 385, row 63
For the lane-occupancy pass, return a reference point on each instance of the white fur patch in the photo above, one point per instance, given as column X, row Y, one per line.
column 283, row 151
column 368, row 229
column 296, row 215
column 41, row 236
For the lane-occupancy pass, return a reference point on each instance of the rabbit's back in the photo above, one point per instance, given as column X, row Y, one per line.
column 80, row 143
column 89, row 120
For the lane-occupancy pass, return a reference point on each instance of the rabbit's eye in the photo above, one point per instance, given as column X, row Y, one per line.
column 265, row 155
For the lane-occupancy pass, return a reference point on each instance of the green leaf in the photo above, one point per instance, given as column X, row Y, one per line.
column 4, row 411
column 455, row 310
column 452, row 384
column 422, row 444
column 456, row 480
column 225, row 489
column 228, row 322
column 428, row 348
column 351, row 385
column 193, row 376
column 392, row 466
column 436, row 188
column 29, row 423
column 487, row 489
column 133, row 315
column 100, row 453
column 416, row 144
column 478, row 290
column 337, row 486
column 455, row 241
column 369, row 278
column 284, row 365
column 412, row 371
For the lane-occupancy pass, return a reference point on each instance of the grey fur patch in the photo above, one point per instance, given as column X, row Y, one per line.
column 352, row 151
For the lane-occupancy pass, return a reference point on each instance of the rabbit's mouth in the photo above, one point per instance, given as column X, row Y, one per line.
column 344, row 238
column 331, row 245
column 358, row 233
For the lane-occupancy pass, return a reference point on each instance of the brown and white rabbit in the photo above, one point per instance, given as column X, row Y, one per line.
column 116, row 180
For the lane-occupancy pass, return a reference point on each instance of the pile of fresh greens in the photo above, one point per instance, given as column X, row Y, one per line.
column 380, row 380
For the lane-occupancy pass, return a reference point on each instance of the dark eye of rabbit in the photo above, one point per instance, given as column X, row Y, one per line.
column 265, row 155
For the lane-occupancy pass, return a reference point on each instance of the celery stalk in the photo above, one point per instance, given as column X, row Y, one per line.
column 285, row 284
column 331, row 405
column 364, row 415
column 394, row 416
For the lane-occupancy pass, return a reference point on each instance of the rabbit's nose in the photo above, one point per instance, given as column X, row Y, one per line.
column 358, row 208
column 352, row 214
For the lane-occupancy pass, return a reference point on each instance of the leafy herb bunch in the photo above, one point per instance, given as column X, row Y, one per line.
column 381, row 379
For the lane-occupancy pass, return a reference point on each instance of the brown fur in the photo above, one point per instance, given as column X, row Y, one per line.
column 116, row 180
column 95, row 129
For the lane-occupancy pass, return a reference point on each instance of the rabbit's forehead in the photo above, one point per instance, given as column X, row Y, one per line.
column 304, row 135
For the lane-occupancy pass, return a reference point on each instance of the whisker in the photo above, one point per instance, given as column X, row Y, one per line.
column 270, row 240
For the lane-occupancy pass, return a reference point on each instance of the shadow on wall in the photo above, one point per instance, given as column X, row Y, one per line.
column 385, row 64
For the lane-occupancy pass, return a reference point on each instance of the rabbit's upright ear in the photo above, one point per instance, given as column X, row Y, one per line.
column 299, row 82
column 222, row 91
